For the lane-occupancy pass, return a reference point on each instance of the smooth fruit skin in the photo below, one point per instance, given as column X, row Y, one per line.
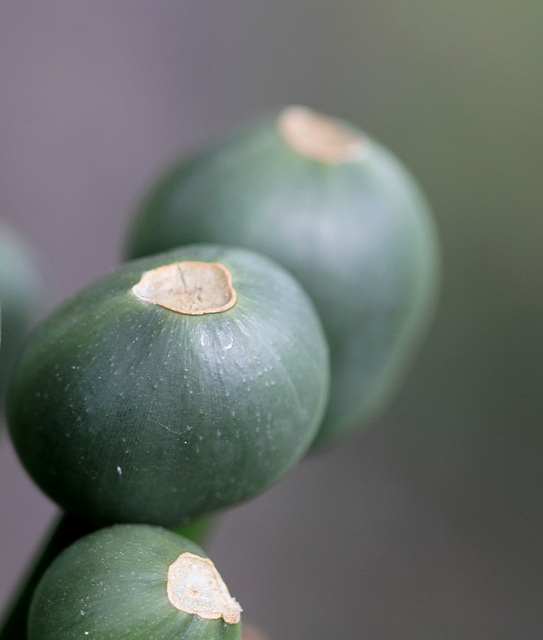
column 124, row 411
column 21, row 292
column 358, row 235
column 112, row 585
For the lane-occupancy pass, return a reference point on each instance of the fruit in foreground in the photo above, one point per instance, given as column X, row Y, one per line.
column 342, row 214
column 172, row 387
column 133, row 581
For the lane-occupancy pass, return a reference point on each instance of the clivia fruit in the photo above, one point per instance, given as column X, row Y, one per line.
column 133, row 581
column 342, row 214
column 172, row 387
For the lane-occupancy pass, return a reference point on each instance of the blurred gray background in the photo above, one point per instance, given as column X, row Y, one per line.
column 430, row 525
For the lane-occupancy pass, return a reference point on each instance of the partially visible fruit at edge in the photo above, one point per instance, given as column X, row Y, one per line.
column 21, row 295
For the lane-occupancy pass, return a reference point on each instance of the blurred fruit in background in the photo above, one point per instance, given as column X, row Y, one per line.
column 21, row 295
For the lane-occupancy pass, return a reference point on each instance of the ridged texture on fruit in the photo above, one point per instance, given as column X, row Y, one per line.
column 125, row 411
column 354, row 229
column 112, row 585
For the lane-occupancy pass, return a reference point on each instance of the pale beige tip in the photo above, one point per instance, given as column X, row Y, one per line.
column 194, row 288
column 195, row 586
column 318, row 137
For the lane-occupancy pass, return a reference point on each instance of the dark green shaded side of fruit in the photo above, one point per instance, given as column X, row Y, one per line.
column 356, row 232
column 126, row 411
column 112, row 585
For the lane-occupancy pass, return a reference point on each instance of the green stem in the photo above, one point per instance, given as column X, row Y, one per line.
column 198, row 530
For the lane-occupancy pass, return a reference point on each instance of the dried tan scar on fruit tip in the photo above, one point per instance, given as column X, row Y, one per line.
column 195, row 586
column 193, row 288
column 320, row 138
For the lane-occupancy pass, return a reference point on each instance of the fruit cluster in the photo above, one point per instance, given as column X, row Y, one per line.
column 196, row 374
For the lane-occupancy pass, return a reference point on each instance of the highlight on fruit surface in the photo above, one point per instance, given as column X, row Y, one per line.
column 339, row 211
column 133, row 581
column 172, row 387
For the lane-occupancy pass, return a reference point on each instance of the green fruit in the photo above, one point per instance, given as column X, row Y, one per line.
column 123, row 409
column 342, row 214
column 133, row 581
column 21, row 294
